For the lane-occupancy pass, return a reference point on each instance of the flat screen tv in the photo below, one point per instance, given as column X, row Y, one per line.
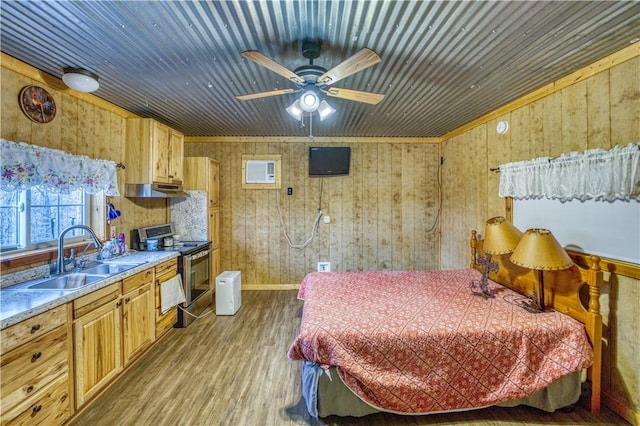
column 329, row 160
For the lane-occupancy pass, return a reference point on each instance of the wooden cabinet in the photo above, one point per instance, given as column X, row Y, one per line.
column 55, row 362
column 112, row 326
column 176, row 156
column 154, row 152
column 164, row 322
column 203, row 173
column 97, row 341
column 215, row 267
column 213, row 227
column 35, row 370
column 138, row 319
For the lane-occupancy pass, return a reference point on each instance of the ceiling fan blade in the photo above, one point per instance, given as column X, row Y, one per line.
column 355, row 95
column 265, row 94
column 361, row 60
column 260, row 59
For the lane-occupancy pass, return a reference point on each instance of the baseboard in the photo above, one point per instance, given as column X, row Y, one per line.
column 621, row 408
column 270, row 286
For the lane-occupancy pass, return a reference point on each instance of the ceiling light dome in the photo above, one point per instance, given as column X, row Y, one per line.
column 80, row 80
column 309, row 101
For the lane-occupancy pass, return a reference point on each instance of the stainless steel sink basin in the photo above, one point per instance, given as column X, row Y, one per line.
column 109, row 268
column 75, row 280
column 66, row 282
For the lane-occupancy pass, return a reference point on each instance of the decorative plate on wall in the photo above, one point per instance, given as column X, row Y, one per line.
column 37, row 104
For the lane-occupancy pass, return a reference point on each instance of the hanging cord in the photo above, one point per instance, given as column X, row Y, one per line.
column 435, row 222
column 314, row 231
column 193, row 315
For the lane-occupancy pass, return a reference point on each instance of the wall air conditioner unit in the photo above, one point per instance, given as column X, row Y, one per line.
column 260, row 171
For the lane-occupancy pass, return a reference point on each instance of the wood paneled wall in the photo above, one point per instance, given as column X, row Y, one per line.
column 84, row 125
column 380, row 214
column 598, row 111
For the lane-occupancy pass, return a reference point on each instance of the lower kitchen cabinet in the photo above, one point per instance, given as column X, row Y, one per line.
column 110, row 330
column 164, row 272
column 52, row 407
column 215, row 268
column 138, row 319
column 35, row 370
column 97, row 341
column 57, row 361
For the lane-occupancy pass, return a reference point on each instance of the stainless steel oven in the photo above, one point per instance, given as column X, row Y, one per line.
column 194, row 266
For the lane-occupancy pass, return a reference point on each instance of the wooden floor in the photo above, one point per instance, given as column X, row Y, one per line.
column 234, row 370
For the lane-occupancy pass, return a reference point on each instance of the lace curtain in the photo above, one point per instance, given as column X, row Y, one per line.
column 24, row 166
column 594, row 174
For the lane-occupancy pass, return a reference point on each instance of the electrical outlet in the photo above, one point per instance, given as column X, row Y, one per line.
column 324, row 266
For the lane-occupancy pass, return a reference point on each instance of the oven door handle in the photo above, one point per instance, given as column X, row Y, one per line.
column 198, row 255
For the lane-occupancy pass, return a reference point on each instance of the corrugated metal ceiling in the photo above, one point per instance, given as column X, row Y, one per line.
column 443, row 63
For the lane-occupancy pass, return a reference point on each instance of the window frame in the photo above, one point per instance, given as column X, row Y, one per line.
column 24, row 224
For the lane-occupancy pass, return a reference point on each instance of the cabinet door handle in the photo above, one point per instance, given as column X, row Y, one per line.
column 35, row 328
column 127, row 300
column 37, row 408
column 118, row 304
column 35, row 356
column 29, row 389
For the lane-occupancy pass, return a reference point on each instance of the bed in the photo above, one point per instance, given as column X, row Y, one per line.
column 419, row 342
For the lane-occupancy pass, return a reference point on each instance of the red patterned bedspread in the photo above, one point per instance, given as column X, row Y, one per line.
column 419, row 342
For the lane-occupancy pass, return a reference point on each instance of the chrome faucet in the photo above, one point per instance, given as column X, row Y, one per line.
column 60, row 260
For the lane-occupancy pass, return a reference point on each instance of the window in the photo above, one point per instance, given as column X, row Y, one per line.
column 34, row 218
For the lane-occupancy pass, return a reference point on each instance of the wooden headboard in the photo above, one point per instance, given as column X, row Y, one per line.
column 564, row 292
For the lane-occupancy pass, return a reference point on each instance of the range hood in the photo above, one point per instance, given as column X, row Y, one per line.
column 153, row 190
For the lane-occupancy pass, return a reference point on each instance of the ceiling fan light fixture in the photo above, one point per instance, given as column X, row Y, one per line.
column 295, row 110
column 309, row 101
column 80, row 80
column 325, row 110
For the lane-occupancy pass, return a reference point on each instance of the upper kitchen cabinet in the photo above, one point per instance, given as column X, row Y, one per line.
column 176, row 151
column 203, row 173
column 154, row 152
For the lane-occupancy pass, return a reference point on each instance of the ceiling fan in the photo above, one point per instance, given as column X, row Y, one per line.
column 314, row 80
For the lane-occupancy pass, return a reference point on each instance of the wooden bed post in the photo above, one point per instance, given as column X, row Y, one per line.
column 594, row 330
column 473, row 244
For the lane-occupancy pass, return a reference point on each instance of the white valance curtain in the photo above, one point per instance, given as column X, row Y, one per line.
column 594, row 174
column 24, row 166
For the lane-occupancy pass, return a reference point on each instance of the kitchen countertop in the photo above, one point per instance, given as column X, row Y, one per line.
column 18, row 305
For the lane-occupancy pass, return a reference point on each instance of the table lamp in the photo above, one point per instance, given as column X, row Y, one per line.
column 539, row 250
column 500, row 237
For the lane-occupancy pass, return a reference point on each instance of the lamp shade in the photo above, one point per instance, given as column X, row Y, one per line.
column 538, row 249
column 325, row 110
column 500, row 236
column 80, row 80
column 294, row 110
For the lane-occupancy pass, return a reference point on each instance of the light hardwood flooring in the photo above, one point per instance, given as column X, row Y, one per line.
column 234, row 370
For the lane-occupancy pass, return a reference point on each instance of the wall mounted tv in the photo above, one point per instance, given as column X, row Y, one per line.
column 329, row 160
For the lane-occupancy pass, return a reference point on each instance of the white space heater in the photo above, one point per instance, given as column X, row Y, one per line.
column 228, row 295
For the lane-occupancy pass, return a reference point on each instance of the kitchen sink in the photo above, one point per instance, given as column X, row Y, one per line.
column 110, row 268
column 66, row 282
column 75, row 280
